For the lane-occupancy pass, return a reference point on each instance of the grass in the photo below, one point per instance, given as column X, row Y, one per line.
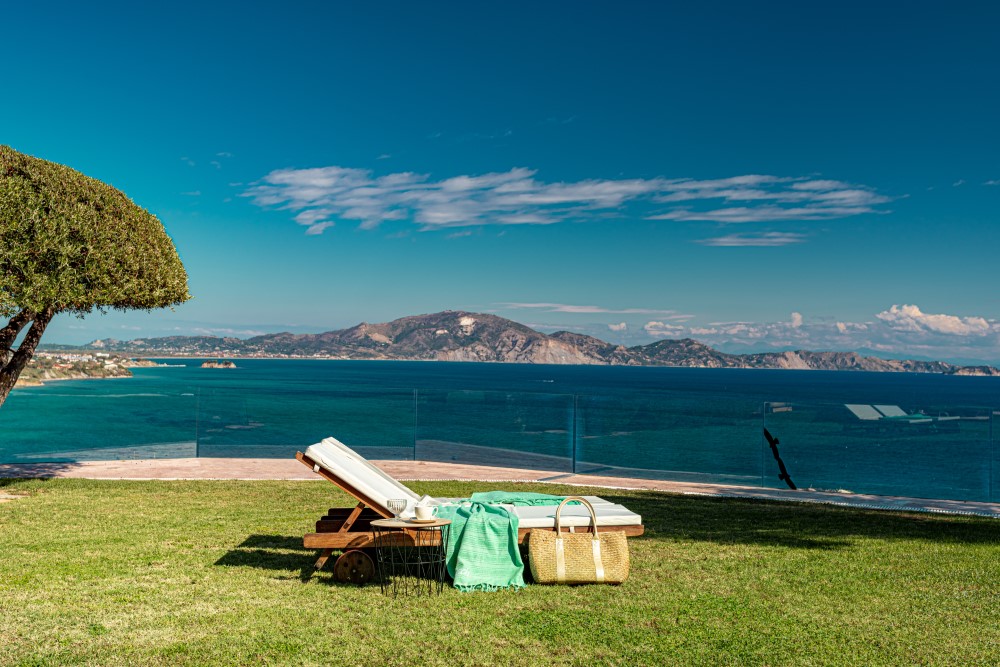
column 211, row 572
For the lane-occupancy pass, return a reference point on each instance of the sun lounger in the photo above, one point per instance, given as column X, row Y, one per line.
column 344, row 528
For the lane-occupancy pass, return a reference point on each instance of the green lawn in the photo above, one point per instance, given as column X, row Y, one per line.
column 108, row 573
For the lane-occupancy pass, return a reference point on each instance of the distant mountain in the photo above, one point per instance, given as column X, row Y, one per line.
column 462, row 336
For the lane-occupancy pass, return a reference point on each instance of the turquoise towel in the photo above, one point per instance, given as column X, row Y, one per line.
column 482, row 549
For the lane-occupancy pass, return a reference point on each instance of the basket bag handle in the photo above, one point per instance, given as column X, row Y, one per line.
column 595, row 542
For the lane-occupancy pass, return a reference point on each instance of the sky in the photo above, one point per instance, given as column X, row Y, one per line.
column 757, row 176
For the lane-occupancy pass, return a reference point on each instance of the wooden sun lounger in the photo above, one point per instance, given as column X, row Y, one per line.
column 349, row 528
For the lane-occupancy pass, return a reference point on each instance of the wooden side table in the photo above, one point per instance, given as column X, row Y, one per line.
column 411, row 556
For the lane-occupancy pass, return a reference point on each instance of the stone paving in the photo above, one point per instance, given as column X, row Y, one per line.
column 290, row 469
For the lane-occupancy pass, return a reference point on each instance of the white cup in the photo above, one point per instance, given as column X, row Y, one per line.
column 424, row 512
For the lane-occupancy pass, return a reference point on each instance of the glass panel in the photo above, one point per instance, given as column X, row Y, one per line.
column 995, row 457
column 507, row 429
column 671, row 435
column 91, row 420
column 885, row 449
column 276, row 424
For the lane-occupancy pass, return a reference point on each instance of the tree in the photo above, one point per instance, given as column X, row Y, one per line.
column 72, row 244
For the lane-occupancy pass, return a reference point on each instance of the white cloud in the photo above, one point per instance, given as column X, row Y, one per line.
column 517, row 197
column 995, row 181
column 904, row 331
column 569, row 308
column 912, row 319
column 621, row 326
column 766, row 213
column 318, row 228
column 766, row 239
column 664, row 330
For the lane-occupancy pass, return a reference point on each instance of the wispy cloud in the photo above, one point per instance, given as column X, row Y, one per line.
column 188, row 161
column 766, row 239
column 763, row 198
column 192, row 193
column 226, row 331
column 995, row 181
column 517, row 197
column 959, row 182
column 570, row 308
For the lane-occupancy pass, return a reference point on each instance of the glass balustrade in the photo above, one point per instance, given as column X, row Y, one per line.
column 892, row 447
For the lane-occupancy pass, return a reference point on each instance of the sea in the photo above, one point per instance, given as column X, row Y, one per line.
column 701, row 425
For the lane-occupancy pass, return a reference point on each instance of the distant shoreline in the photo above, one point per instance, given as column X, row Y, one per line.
column 154, row 356
column 540, row 365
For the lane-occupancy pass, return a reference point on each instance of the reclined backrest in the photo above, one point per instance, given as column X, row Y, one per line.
column 353, row 469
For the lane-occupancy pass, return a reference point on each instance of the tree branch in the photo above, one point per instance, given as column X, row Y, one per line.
column 10, row 372
column 9, row 334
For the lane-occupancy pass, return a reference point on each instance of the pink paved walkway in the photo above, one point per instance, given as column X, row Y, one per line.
column 290, row 469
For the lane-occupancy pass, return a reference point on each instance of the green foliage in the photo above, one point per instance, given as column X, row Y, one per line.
column 71, row 243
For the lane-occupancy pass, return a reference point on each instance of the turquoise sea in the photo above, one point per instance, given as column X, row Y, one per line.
column 671, row 423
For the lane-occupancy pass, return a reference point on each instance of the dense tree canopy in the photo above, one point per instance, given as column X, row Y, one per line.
column 70, row 243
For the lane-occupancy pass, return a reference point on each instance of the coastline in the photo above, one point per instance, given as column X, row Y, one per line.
column 540, row 365
column 41, row 383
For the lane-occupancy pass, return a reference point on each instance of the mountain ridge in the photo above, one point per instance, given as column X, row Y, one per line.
column 481, row 337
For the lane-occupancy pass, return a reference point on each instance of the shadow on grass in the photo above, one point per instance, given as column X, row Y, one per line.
column 272, row 552
column 795, row 525
column 275, row 552
column 12, row 473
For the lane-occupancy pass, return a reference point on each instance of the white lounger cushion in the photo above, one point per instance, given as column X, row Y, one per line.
column 373, row 482
column 608, row 514
column 359, row 473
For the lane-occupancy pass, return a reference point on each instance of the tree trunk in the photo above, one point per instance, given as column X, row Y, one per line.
column 9, row 334
column 19, row 359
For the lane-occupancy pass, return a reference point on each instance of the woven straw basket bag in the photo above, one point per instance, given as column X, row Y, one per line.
column 578, row 558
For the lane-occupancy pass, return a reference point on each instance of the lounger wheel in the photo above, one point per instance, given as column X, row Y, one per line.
column 354, row 567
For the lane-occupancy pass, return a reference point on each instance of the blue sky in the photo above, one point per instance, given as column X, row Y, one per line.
column 758, row 177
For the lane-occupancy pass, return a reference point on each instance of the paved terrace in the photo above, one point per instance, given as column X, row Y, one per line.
column 290, row 469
